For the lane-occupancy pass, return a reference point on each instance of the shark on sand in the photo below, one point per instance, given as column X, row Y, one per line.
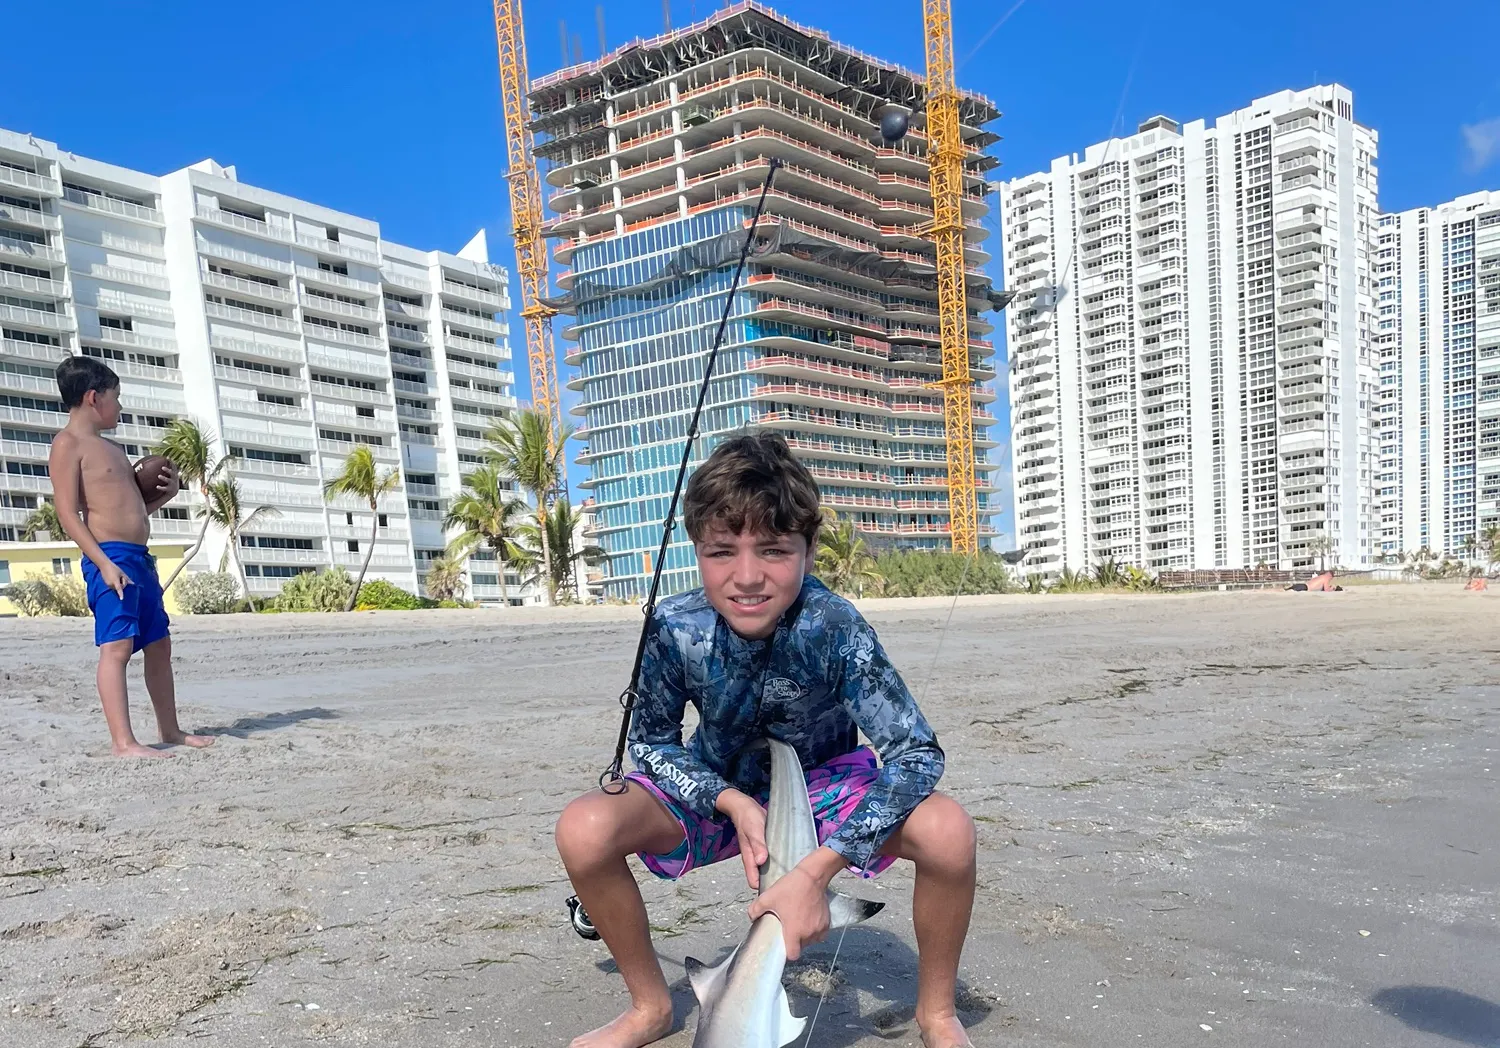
column 742, row 1002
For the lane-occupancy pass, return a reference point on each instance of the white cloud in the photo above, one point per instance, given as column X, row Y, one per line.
column 1482, row 143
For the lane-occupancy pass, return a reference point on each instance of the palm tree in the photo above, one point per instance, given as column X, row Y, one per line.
column 360, row 479
column 191, row 450
column 1108, row 574
column 1490, row 541
column 1470, row 546
column 843, row 559
column 222, row 506
column 1320, row 546
column 522, row 448
column 445, row 578
column 562, row 526
column 1070, row 581
column 43, row 519
column 489, row 514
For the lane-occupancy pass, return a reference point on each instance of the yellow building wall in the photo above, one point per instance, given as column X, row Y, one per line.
column 25, row 559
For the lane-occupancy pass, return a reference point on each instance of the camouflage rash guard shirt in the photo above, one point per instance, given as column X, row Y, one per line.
column 815, row 684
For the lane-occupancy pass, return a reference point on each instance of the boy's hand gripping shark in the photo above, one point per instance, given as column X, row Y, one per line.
column 742, row 1002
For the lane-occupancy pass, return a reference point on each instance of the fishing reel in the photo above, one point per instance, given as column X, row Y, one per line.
column 578, row 917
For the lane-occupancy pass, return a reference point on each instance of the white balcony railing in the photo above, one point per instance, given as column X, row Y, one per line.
column 30, row 180
column 60, row 321
column 121, row 275
column 337, row 247
column 334, row 306
column 273, row 292
column 249, row 316
column 341, row 280
column 249, row 258
column 248, row 225
column 33, row 285
column 109, row 205
column 39, row 253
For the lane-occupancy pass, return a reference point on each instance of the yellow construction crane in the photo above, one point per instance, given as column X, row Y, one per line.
column 526, row 213
column 945, row 165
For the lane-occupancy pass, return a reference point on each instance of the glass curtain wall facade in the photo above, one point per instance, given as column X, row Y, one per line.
column 657, row 154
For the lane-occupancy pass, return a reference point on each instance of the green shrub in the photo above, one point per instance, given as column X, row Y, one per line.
column 922, row 573
column 327, row 590
column 381, row 595
column 207, row 593
column 50, row 595
column 69, row 598
column 32, row 596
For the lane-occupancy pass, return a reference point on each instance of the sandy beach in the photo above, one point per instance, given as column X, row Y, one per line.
column 1222, row 819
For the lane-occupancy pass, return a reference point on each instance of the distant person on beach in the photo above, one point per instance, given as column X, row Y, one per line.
column 764, row 649
column 101, row 508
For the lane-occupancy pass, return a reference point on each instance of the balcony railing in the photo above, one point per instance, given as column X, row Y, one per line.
column 59, row 321
column 31, row 252
column 274, row 292
column 33, row 285
column 248, row 225
column 109, row 205
column 338, row 247
column 25, row 216
column 30, row 180
column 120, row 275
column 249, row 258
column 249, row 316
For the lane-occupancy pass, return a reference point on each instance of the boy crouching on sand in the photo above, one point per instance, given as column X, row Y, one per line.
column 100, row 507
column 765, row 649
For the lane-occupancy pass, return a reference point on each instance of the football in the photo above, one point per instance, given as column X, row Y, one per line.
column 149, row 474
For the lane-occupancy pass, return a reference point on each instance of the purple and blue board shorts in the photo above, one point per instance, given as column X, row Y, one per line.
column 141, row 616
column 835, row 790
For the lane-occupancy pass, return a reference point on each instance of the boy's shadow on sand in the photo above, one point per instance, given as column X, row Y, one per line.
column 873, row 963
column 246, row 726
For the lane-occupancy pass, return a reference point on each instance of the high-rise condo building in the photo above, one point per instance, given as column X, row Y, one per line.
column 657, row 154
column 1438, row 476
column 295, row 333
column 1192, row 378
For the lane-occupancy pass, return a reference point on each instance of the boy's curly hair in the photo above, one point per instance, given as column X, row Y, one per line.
column 753, row 481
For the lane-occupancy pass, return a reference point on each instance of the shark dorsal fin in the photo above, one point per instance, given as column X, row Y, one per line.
column 707, row 982
column 789, row 1027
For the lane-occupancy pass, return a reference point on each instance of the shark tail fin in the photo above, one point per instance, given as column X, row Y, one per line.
column 789, row 1027
column 845, row 910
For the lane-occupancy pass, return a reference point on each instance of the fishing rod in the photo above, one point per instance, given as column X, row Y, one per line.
column 612, row 779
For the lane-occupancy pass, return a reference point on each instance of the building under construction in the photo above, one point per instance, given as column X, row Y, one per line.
column 657, row 154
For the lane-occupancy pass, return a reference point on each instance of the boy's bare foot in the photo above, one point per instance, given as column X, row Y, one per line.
column 184, row 739
column 135, row 749
column 946, row 1032
column 637, row 1027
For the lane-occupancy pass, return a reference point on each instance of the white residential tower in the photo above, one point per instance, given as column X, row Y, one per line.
column 1191, row 374
column 292, row 331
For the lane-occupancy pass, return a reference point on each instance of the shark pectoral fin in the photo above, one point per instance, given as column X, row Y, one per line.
column 789, row 1027
column 845, row 910
column 707, row 982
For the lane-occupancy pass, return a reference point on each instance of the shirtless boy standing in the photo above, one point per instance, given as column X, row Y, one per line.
column 101, row 509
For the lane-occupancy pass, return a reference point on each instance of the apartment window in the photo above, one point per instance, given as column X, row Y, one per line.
column 276, row 398
column 382, row 520
column 353, row 545
column 349, row 518
column 4, row 575
column 364, row 412
column 334, row 267
column 115, row 323
column 62, row 566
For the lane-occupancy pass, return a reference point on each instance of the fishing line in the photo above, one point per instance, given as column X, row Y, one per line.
column 612, row 780
column 891, row 791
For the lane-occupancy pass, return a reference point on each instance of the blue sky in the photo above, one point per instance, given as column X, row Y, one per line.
column 392, row 111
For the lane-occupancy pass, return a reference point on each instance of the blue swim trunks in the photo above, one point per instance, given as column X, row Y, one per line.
column 141, row 616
